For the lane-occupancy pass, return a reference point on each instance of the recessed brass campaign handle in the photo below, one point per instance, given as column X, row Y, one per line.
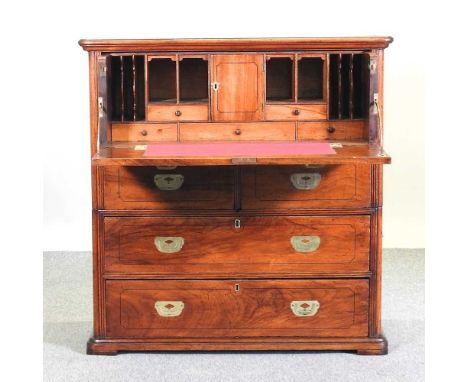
column 169, row 308
column 168, row 244
column 306, row 180
column 168, row 182
column 305, row 308
column 305, row 244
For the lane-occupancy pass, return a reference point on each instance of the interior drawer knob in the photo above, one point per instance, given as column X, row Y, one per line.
column 169, row 308
column 331, row 129
column 296, row 112
column 169, row 244
column 306, row 180
column 144, row 133
column 238, row 132
column 306, row 308
column 178, row 113
column 305, row 244
column 168, row 182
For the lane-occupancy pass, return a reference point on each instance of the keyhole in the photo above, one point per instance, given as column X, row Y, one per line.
column 237, row 287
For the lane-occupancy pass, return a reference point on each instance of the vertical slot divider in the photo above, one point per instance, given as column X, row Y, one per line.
column 122, row 95
column 134, row 87
column 351, row 86
column 146, row 99
column 296, row 77
column 177, row 80
column 339, row 86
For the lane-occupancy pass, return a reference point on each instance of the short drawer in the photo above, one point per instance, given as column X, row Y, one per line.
column 295, row 112
column 271, row 131
column 267, row 246
column 177, row 112
column 306, row 186
column 168, row 188
column 237, row 308
column 146, row 132
column 336, row 130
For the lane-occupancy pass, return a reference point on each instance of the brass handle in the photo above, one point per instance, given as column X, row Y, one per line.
column 144, row 133
column 296, row 112
column 305, row 308
column 178, row 113
column 169, row 308
column 169, row 244
column 306, row 180
column 331, row 129
column 238, row 132
column 305, row 244
column 168, row 182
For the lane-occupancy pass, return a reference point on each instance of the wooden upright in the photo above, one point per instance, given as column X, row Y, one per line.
column 267, row 251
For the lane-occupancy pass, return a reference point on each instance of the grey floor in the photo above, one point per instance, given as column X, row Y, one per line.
column 68, row 324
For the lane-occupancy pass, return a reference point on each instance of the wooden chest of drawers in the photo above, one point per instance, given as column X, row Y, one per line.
column 233, row 252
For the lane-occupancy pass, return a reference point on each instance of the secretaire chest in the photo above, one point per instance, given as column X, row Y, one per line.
column 237, row 194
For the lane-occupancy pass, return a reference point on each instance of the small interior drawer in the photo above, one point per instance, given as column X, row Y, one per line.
column 168, row 188
column 296, row 112
column 145, row 132
column 306, row 186
column 231, row 131
column 177, row 112
column 207, row 308
column 333, row 130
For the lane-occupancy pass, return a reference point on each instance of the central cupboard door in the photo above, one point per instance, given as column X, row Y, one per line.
column 237, row 87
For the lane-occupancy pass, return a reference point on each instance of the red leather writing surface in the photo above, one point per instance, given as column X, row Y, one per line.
column 238, row 149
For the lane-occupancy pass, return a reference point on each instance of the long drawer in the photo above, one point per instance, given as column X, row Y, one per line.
column 194, row 247
column 169, row 188
column 310, row 308
column 306, row 186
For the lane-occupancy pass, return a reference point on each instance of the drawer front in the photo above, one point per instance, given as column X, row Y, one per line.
column 302, row 187
column 308, row 308
column 177, row 112
column 295, row 112
column 336, row 130
column 167, row 188
column 268, row 246
column 146, row 132
column 271, row 131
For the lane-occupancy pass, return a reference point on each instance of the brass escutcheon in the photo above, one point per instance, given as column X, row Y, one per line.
column 305, row 308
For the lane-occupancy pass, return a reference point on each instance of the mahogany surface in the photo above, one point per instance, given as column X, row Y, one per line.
column 222, row 252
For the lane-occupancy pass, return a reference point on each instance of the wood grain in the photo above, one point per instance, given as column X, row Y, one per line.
column 177, row 112
column 144, row 132
column 214, row 247
column 232, row 131
column 202, row 188
column 296, row 112
column 216, row 309
column 267, row 188
column 333, row 130
column 241, row 87
column 236, row 44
